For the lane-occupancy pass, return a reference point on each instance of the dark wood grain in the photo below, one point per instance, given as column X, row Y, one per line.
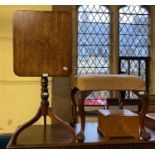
column 56, row 136
column 42, row 43
column 44, row 110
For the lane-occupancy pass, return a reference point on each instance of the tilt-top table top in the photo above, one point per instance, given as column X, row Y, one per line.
column 42, row 43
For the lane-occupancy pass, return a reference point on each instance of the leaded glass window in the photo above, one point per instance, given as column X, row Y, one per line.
column 93, row 44
column 133, row 40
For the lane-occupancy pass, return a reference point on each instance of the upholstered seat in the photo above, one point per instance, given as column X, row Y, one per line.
column 108, row 82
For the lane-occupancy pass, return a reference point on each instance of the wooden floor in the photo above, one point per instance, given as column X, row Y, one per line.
column 55, row 136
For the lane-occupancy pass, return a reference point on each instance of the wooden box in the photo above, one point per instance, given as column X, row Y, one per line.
column 118, row 123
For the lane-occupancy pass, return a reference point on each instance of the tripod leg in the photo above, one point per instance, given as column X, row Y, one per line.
column 24, row 126
column 63, row 123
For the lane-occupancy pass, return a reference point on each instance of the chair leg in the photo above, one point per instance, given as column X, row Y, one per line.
column 145, row 103
column 121, row 99
column 83, row 95
column 74, row 110
column 80, row 135
column 144, row 135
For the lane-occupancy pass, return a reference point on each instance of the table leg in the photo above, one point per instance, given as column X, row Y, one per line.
column 62, row 123
column 24, row 126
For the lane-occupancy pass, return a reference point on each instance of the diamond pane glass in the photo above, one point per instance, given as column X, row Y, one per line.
column 133, row 66
column 93, row 43
column 133, row 40
column 133, row 31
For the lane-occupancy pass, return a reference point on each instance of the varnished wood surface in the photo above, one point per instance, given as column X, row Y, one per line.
column 56, row 136
column 44, row 110
column 118, row 123
column 42, row 43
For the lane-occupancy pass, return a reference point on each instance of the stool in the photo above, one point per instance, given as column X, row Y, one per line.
column 83, row 85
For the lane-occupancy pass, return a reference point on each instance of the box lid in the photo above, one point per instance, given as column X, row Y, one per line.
column 123, row 112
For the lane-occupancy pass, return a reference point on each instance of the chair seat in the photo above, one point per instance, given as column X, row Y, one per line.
column 108, row 82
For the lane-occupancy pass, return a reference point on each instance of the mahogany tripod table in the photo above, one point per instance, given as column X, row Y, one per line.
column 42, row 47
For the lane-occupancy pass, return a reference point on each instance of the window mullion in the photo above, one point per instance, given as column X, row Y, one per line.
column 114, row 44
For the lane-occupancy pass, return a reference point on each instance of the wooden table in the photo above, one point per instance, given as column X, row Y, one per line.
column 55, row 136
column 42, row 46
